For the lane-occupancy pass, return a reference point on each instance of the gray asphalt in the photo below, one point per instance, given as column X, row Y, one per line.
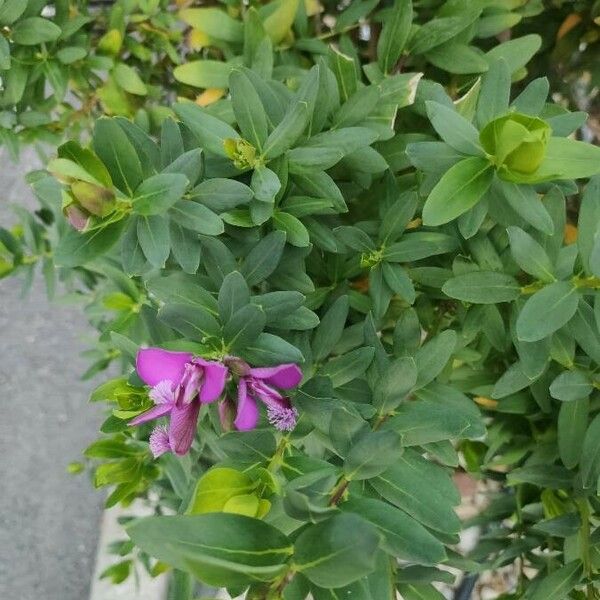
column 48, row 518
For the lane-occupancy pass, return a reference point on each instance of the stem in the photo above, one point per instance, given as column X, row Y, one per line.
column 584, row 538
column 338, row 491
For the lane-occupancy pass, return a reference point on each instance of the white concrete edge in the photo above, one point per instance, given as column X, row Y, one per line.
column 142, row 587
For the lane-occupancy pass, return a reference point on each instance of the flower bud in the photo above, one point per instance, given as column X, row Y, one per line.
column 98, row 201
column 241, row 152
column 516, row 143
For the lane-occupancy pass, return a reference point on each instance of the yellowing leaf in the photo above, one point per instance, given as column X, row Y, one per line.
column 209, row 96
column 110, row 42
column 570, row 234
column 198, row 39
column 567, row 25
column 279, row 21
column 312, row 7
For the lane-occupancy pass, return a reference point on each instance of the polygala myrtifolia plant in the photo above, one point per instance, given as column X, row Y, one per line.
column 347, row 262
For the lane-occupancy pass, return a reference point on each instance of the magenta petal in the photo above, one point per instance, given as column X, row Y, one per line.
column 213, row 383
column 182, row 429
column 160, row 410
column 155, row 365
column 283, row 376
column 247, row 410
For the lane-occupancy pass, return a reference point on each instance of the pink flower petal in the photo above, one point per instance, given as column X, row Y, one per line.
column 155, row 365
column 183, row 426
column 213, row 383
column 160, row 410
column 283, row 376
column 247, row 410
column 159, row 441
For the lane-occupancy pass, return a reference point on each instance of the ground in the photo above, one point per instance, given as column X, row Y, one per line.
column 48, row 518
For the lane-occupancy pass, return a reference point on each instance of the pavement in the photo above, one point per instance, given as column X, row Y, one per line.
column 49, row 520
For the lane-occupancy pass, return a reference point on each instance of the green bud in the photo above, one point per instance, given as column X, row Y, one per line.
column 516, row 143
column 241, row 152
column 96, row 200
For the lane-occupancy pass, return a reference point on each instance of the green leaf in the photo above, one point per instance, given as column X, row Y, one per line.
column 128, row 79
column 394, row 384
column 118, row 154
column 590, row 455
column 345, row 368
column 454, row 129
column 568, row 159
column 214, row 22
column 185, row 247
column 233, row 295
column 483, row 287
column 209, row 131
column 404, row 537
column 423, row 490
column 11, row 10
column 459, row 189
column 516, row 52
column 265, row 184
column 434, row 355
column 154, row 239
column 219, row 549
column 394, row 35
column 372, row 454
column 245, row 325
column 263, row 259
column 196, row 217
column 439, row 30
column 529, row 255
column 345, row 73
column 4, row 54
column 132, row 258
column 221, row 195
column 418, row 245
column 495, row 93
column 158, row 193
column 338, row 551
column 571, row 385
column 546, row 311
column 295, row 232
column 75, row 248
column 204, row 73
column 35, row 30
column 248, row 109
column 572, row 423
column 330, row 330
column 524, row 200
column 558, row 584
column 192, row 321
column 457, row 58
column 296, row 118
column 272, row 350
column 71, row 54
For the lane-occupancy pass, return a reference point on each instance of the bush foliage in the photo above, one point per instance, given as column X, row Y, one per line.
column 390, row 195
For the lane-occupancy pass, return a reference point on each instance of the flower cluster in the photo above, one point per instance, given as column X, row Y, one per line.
column 181, row 382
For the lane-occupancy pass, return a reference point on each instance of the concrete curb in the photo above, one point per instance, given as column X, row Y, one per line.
column 143, row 587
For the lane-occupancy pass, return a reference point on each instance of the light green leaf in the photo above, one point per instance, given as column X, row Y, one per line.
column 204, row 73
column 458, row 190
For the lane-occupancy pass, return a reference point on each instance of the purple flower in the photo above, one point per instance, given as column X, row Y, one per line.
column 261, row 384
column 180, row 383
